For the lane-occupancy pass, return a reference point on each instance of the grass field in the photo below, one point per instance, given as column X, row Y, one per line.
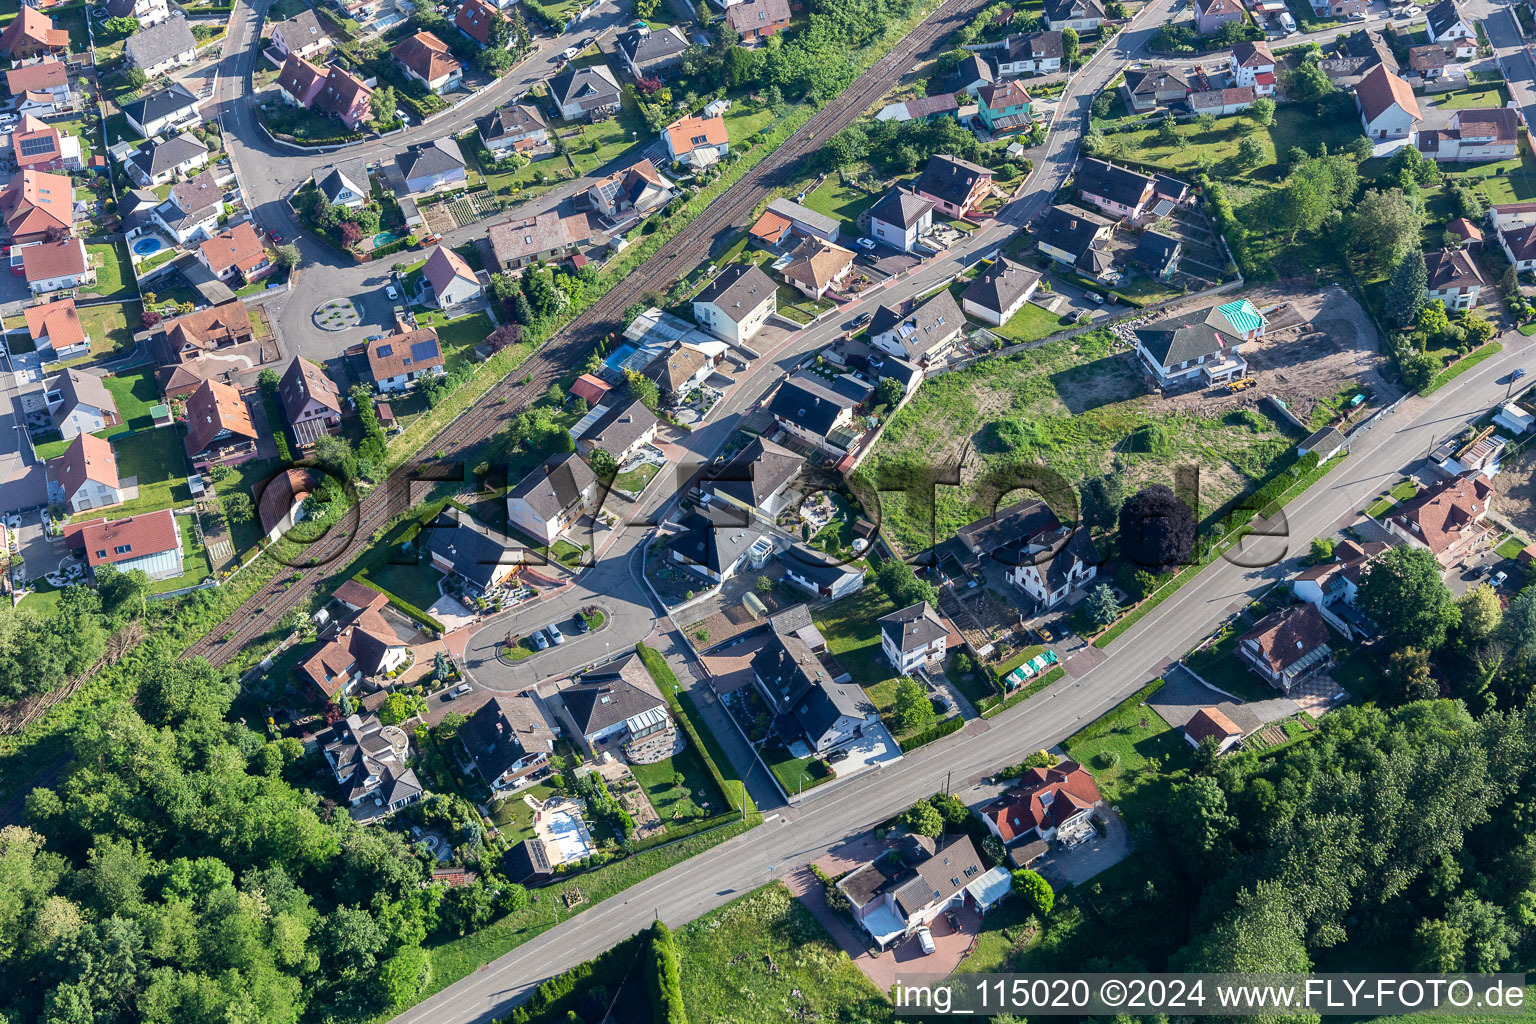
column 1511, row 546
column 114, row 279
column 414, row 584
column 1294, row 125
column 1148, row 749
column 156, row 458
column 685, row 802
column 1473, row 96
column 1220, row 666
column 853, row 635
column 605, row 141
column 458, row 337
column 845, row 202
column 763, row 957
column 135, row 392
column 1031, row 323
column 1076, row 405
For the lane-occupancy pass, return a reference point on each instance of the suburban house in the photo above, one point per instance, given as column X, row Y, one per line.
column 894, row 896
column 914, row 637
column 717, row 542
column 53, row 266
column 921, row 336
column 819, row 575
column 85, row 476
column 31, row 34
column 425, row 58
column 652, row 54
column 620, row 705
column 461, row 545
column 477, row 20
column 195, row 335
column 1287, row 647
column 344, row 184
column 1004, row 107
column 547, row 236
column 735, row 305
column 794, row 682
column 755, row 20
column 1146, row 89
column 552, row 497
column 1071, row 235
column 310, row 401
column 926, row 108
column 1159, row 253
column 1432, row 60
column 36, row 202
column 1480, row 133
column 900, row 219
column 1048, row 803
column 639, row 188
column 301, row 34
column 1340, row 9
column 162, row 47
column 1078, row 15
column 149, row 543
column 816, row 267
column 368, row 761
column 428, row 166
column 1239, row 318
column 156, row 162
column 1000, row 291
column 508, row 741
column 396, row 361
column 48, row 76
column 235, row 251
column 516, row 128
column 1037, row 53
column 802, row 221
column 972, row 73
column 1388, row 109
column 219, row 426
column 1447, row 25
column 1453, row 278
column 56, row 330
column 1220, row 102
column 620, row 429
column 1253, row 65
column 680, row 369
column 1214, row 725
column 1210, row 15
column 1331, row 583
column 1449, row 518
column 359, row 650
column 1044, row 558
column 585, row 94
column 1179, row 353
column 166, row 110
column 145, row 12
column 1118, row 191
column 452, row 281
column 820, row 412
column 956, row 186
column 757, row 480
column 299, row 81
column 192, row 210
column 331, row 90
column 38, row 145
column 696, row 141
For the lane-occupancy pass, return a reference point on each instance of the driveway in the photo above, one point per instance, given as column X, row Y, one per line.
column 1088, row 858
column 1183, row 693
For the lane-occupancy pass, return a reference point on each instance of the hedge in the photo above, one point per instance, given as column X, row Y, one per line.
column 408, row 242
column 1001, row 704
column 552, row 999
column 666, row 681
column 952, row 724
column 401, row 604
column 1104, row 724
column 666, row 978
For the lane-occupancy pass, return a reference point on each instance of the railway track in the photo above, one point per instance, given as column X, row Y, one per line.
column 506, row 399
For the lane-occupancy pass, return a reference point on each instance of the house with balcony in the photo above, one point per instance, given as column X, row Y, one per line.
column 1145, row 89
column 1047, row 803
column 1176, row 353
column 397, row 361
column 1004, row 107
column 618, row 705
column 1288, row 647
column 1446, row 24
column 171, row 109
column 914, row 637
column 955, row 186
column 508, row 741
column 736, row 303
column 1449, row 519
column 1473, row 135
column 368, row 760
column 901, row 219
column 552, row 497
column 1117, row 191
column 1034, row 53
column 310, row 400
column 1452, row 277
column 425, row 58
column 808, row 703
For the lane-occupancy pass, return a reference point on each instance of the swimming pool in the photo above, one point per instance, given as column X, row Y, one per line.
column 616, row 358
column 383, row 238
column 147, row 245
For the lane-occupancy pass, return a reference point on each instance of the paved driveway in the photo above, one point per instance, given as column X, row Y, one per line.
column 1183, row 694
column 1088, row 858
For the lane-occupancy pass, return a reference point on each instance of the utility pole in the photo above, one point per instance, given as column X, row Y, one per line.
column 947, row 776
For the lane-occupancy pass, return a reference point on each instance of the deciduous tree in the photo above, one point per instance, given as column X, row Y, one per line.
column 1402, row 592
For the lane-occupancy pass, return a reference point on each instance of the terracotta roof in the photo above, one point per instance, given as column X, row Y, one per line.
column 590, row 389
column 755, row 15
column 1210, row 8
column 687, row 134
column 1044, row 798
column 1210, row 722
column 1428, row 57
column 225, row 324
column 340, row 93
column 1380, row 89
column 1498, row 123
column 277, row 497
column 1252, row 55
column 1466, row 229
column 361, row 642
column 426, row 55
column 31, row 25
column 45, row 74
column 817, row 263
column 47, row 260
column 212, row 409
column 475, row 19
column 57, row 321
column 444, row 266
column 1441, row 515
column 88, row 457
column 770, row 227
column 238, row 247
column 406, row 352
column 109, row 541
column 35, row 142
column 516, row 239
column 1009, row 93
column 299, row 78
column 1287, row 636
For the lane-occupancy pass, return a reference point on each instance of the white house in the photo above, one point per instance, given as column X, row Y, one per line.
column 1477, row 134
column 922, row 335
column 148, row 543
column 914, row 637
column 161, row 47
column 85, row 476
column 452, row 281
column 1388, row 109
column 735, row 305
column 1452, row 277
column 1253, row 65
column 818, row 576
column 901, row 219
column 1179, row 353
column 1000, row 291
column 1446, row 24
column 551, row 498
column 80, row 403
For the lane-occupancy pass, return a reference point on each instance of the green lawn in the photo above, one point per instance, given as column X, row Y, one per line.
column 1511, row 546
column 136, row 392
column 109, row 328
column 843, row 201
column 795, row 774
column 1031, row 323
column 1501, row 181
column 243, row 479
column 684, row 803
column 114, row 278
column 194, row 561
column 458, row 337
column 514, row 817
column 853, row 635
column 157, row 459
column 725, row 975
column 1460, row 99
column 636, row 480
column 537, row 172
column 1220, row 666
column 1401, row 491
column 1148, row 749
column 606, row 141
column 744, row 119
column 413, row 584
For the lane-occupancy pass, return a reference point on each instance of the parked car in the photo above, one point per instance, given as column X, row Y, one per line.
column 403, row 116
column 860, row 321
column 941, row 703
column 582, row 625
column 555, row 634
column 866, row 244
column 836, row 756
column 461, row 689
column 1498, row 579
column 1094, row 297
column 539, row 643
column 570, row 52
column 925, row 941
column 392, row 292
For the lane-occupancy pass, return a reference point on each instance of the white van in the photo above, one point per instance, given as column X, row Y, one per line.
column 925, row 941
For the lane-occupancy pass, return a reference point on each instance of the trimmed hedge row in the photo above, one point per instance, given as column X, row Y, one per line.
column 999, row 705
column 552, row 999
column 666, row 978
column 666, row 681
column 401, row 604
column 1102, row 725
column 952, row 724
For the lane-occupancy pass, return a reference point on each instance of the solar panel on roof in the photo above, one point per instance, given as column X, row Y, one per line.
column 424, row 350
column 32, row 147
column 385, row 350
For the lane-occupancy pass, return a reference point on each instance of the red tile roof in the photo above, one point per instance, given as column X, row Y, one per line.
column 1210, row 722
column 475, row 19
column 32, row 26
column 108, row 541
column 47, row 260
column 45, row 74
column 1380, row 89
column 1441, row 515
column 426, row 55
column 58, row 321
column 212, row 409
column 88, row 457
column 691, row 132
column 239, row 247
column 1044, row 798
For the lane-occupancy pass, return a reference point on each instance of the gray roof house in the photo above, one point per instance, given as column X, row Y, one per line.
column 156, row 162
column 619, row 429
column 805, row 220
column 756, row 478
column 921, row 335
column 805, row 697
column 368, row 761
column 581, row 94
column 617, row 703
column 1159, row 253
column 1176, row 352
column 508, row 740
column 547, row 501
column 650, row 54
column 344, row 184
column 171, row 107
column 713, row 541
column 429, row 165
column 461, row 544
column 161, row 47
column 1000, row 291
column 818, row 411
